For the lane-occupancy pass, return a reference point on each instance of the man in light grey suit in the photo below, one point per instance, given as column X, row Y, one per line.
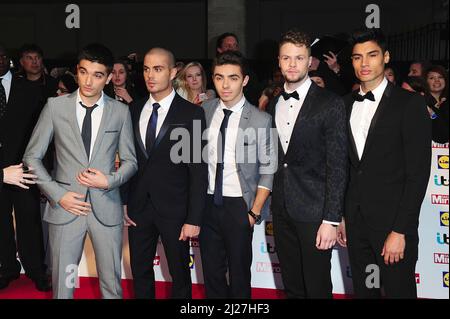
column 241, row 163
column 88, row 129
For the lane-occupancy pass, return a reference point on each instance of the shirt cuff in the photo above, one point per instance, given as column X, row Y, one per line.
column 264, row 187
column 331, row 223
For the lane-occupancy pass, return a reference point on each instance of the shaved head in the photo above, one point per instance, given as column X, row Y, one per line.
column 162, row 51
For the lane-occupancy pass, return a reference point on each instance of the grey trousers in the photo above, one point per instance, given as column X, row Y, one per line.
column 67, row 243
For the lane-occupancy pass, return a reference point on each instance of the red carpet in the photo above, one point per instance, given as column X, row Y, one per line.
column 23, row 288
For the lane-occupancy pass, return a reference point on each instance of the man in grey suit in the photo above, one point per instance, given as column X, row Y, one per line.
column 241, row 163
column 88, row 129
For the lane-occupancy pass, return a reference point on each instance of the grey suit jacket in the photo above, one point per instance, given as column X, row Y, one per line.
column 256, row 157
column 58, row 121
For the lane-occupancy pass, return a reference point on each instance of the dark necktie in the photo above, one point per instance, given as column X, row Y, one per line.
column 218, row 189
column 150, row 135
column 2, row 99
column 86, row 130
column 358, row 97
column 287, row 96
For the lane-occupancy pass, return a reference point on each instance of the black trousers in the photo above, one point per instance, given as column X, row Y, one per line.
column 306, row 270
column 226, row 245
column 364, row 248
column 143, row 240
column 27, row 235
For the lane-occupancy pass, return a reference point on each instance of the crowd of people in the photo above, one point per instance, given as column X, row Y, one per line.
column 318, row 165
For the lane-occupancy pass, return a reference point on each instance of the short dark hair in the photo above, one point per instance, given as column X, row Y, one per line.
column 98, row 53
column 297, row 38
column 233, row 58
column 366, row 34
column 222, row 37
column 30, row 48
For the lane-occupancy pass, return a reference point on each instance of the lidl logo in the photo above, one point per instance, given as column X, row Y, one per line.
column 444, row 219
column 269, row 229
column 445, row 279
column 442, row 161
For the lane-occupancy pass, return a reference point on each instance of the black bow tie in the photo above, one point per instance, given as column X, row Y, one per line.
column 358, row 97
column 287, row 96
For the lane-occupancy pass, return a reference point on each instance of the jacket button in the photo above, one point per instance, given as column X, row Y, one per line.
column 359, row 172
column 285, row 165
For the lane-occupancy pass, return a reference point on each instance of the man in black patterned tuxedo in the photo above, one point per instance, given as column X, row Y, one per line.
column 308, row 188
column 390, row 155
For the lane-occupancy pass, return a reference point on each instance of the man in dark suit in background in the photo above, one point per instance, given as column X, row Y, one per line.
column 390, row 154
column 309, row 186
column 19, row 111
column 166, row 197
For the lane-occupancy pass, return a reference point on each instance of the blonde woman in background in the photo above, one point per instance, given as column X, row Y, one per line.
column 192, row 84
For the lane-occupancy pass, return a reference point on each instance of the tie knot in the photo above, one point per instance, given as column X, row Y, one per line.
column 227, row 112
column 156, row 106
column 358, row 97
column 88, row 109
column 293, row 95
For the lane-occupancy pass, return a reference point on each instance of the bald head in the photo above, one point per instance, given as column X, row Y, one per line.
column 164, row 52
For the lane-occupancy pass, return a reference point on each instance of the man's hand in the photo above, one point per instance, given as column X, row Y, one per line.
column 128, row 221
column 15, row 175
column 341, row 234
column 71, row 202
column 93, row 178
column 326, row 237
column 189, row 231
column 251, row 220
column 394, row 248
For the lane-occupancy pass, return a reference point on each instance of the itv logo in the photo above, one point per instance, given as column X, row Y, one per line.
column 442, row 239
column 440, row 180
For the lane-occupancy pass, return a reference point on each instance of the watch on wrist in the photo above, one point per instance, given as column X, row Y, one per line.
column 256, row 217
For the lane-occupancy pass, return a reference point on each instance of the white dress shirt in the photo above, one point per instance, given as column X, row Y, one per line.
column 96, row 117
column 231, row 184
column 147, row 112
column 6, row 82
column 362, row 115
column 286, row 113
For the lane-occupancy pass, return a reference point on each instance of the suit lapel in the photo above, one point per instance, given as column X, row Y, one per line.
column 166, row 124
column 373, row 124
column 107, row 111
column 137, row 131
column 353, row 154
column 304, row 111
column 74, row 124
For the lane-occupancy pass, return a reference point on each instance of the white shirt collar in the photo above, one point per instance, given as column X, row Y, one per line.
column 302, row 90
column 165, row 102
column 7, row 76
column 378, row 91
column 235, row 108
column 100, row 102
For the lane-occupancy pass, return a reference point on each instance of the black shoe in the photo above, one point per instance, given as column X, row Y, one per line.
column 42, row 283
column 5, row 280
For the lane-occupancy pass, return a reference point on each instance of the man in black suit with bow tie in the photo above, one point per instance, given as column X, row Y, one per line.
column 166, row 196
column 309, row 185
column 390, row 154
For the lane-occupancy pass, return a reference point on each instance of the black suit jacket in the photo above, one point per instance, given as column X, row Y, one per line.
column 312, row 175
column 18, row 122
column 388, row 184
column 176, row 191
